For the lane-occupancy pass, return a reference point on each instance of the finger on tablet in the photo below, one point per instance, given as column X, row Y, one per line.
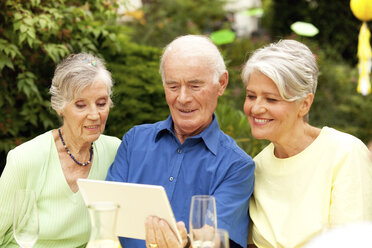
column 168, row 234
column 160, row 239
column 150, row 232
column 183, row 232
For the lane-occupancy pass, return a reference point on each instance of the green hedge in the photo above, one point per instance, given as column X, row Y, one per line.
column 164, row 20
column 138, row 90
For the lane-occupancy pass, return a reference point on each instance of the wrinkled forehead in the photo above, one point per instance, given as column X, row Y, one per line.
column 185, row 56
column 177, row 62
column 192, row 47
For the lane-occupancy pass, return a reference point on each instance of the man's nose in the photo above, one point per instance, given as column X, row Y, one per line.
column 184, row 95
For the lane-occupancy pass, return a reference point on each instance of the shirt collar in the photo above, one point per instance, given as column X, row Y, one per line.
column 164, row 127
column 209, row 135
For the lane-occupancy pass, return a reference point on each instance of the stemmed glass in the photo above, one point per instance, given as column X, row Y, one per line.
column 25, row 218
column 203, row 221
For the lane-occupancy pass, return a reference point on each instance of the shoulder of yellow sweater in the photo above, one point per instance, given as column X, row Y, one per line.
column 268, row 149
column 342, row 139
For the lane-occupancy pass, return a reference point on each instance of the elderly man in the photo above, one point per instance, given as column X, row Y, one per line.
column 187, row 153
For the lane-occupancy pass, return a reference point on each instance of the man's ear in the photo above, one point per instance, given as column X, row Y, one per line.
column 306, row 104
column 223, row 81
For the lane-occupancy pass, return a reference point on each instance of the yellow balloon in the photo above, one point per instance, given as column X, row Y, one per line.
column 362, row 9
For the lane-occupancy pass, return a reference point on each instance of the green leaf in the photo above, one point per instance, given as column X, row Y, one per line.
column 256, row 12
column 35, row 2
column 223, row 36
column 9, row 100
column 33, row 120
column 56, row 51
column 29, row 21
column 5, row 61
column 96, row 32
column 17, row 25
column 23, row 28
column 17, row 16
column 31, row 33
column 112, row 36
column 304, row 29
column 29, row 74
column 13, row 50
column 29, row 41
column 42, row 23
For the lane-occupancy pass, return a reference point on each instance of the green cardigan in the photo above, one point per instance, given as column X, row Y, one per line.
column 63, row 216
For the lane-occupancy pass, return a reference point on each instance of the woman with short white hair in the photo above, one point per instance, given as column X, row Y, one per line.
column 51, row 163
column 307, row 179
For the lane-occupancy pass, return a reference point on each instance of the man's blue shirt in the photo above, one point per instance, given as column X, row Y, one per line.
column 209, row 163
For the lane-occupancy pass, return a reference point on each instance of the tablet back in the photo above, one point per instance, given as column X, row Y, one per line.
column 136, row 201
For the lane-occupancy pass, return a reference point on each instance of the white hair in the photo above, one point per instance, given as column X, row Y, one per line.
column 75, row 73
column 289, row 64
column 196, row 45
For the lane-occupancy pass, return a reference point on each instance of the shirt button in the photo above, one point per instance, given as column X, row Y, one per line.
column 171, row 179
column 179, row 150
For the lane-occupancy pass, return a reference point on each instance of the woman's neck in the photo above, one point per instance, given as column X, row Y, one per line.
column 75, row 144
column 297, row 141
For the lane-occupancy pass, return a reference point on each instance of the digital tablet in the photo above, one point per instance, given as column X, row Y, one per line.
column 136, row 201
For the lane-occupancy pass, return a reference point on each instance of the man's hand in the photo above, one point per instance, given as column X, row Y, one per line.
column 160, row 235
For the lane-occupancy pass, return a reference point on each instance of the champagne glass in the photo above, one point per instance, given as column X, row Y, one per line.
column 203, row 221
column 221, row 239
column 25, row 218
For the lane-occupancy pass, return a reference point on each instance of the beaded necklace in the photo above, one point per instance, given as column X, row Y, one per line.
column 69, row 153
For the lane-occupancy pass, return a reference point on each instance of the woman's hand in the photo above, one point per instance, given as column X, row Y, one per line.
column 160, row 235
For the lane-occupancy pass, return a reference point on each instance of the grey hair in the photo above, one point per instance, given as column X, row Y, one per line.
column 196, row 45
column 75, row 73
column 290, row 64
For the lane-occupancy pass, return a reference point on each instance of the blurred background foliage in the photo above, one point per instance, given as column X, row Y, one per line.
column 35, row 35
column 164, row 20
column 338, row 28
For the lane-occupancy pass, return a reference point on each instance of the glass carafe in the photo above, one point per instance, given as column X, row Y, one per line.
column 103, row 217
